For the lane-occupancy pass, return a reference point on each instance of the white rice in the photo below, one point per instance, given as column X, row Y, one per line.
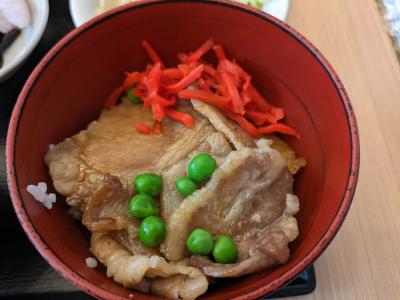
column 91, row 262
column 39, row 193
column 42, row 186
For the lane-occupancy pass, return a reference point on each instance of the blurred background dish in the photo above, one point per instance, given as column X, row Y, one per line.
column 390, row 10
column 82, row 11
column 277, row 8
column 32, row 28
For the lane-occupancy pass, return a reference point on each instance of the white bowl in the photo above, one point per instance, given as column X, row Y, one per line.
column 278, row 8
column 19, row 50
column 83, row 10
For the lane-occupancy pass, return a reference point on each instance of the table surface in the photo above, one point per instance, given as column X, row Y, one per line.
column 363, row 262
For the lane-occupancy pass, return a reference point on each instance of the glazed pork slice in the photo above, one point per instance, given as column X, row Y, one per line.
column 269, row 247
column 115, row 243
column 106, row 211
column 240, row 139
column 293, row 162
column 234, row 133
column 106, row 208
column 246, row 198
column 111, row 145
column 145, row 273
column 216, row 145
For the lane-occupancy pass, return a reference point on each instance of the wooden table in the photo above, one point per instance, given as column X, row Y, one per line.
column 363, row 262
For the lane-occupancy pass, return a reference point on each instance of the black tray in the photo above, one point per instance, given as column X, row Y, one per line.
column 23, row 272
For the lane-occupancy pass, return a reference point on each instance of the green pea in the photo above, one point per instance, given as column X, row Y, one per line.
column 224, row 250
column 185, row 186
column 142, row 206
column 148, row 183
column 201, row 167
column 200, row 241
column 152, row 231
column 132, row 97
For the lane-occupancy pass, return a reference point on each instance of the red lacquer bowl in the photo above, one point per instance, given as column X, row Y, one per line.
column 66, row 91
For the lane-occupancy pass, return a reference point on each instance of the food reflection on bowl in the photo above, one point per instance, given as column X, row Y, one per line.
column 288, row 70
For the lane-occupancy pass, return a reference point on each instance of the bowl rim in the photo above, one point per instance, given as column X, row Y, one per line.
column 97, row 291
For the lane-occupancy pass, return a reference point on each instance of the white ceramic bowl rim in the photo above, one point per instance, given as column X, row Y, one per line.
column 42, row 15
